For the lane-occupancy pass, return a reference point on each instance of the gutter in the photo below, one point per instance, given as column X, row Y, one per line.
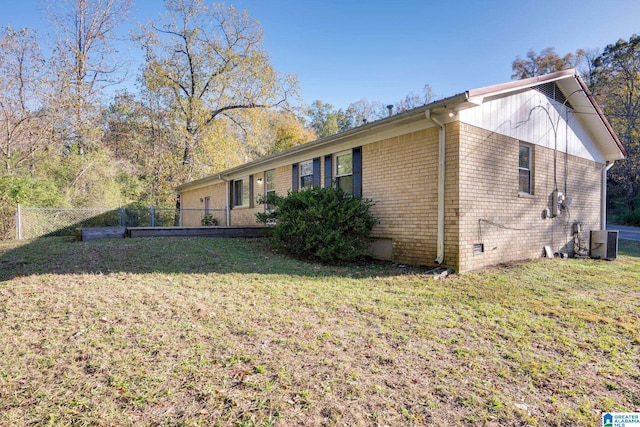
column 393, row 122
column 227, row 208
column 441, row 186
column 603, row 196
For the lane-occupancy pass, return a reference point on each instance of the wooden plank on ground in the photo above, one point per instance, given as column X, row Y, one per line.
column 95, row 233
column 198, row 231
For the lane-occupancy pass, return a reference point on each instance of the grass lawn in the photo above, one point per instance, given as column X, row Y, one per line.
column 199, row 332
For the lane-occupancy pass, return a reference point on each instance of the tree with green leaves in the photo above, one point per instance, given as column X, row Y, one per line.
column 547, row 61
column 277, row 131
column 207, row 65
column 325, row 120
column 616, row 84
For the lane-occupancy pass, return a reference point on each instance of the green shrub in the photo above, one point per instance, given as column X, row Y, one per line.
column 323, row 224
column 28, row 191
column 208, row 219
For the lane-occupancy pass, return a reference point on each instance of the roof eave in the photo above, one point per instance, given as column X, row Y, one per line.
column 407, row 116
column 601, row 115
column 518, row 84
column 460, row 101
column 477, row 96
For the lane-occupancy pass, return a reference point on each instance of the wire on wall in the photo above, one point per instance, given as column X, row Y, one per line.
column 495, row 224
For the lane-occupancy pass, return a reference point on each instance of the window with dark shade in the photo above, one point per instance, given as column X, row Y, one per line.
column 328, row 171
column 241, row 193
column 357, row 171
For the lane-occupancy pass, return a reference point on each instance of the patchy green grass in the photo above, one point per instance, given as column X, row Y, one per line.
column 198, row 332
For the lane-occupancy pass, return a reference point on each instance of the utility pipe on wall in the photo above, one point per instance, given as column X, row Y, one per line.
column 603, row 196
column 441, row 186
column 228, row 208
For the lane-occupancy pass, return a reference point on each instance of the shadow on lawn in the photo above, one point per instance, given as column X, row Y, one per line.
column 175, row 255
column 629, row 247
column 170, row 255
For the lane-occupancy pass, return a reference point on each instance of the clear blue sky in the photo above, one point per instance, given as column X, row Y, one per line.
column 343, row 51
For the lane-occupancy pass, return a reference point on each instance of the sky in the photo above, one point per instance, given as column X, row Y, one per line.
column 343, row 51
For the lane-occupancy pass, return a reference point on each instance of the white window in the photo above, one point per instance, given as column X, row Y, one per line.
column 241, row 195
column 270, row 182
column 525, row 162
column 269, row 186
column 344, row 171
column 306, row 174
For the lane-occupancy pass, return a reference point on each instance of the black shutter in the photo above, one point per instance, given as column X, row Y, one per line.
column 357, row 171
column 250, row 191
column 316, row 172
column 328, row 171
column 294, row 176
column 232, row 191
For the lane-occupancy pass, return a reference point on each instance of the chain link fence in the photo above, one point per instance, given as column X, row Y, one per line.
column 31, row 223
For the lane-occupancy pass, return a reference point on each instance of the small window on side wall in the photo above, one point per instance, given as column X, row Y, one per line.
column 525, row 163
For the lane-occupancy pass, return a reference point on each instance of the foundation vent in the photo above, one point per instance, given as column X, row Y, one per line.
column 478, row 248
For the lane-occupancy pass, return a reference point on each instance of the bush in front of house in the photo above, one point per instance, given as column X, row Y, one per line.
column 208, row 220
column 324, row 224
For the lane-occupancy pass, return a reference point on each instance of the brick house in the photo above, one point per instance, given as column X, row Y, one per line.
column 487, row 176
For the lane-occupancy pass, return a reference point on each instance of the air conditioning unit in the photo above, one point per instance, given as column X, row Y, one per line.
column 604, row 244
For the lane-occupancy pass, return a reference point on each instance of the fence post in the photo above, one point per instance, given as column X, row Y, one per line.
column 19, row 223
column 153, row 216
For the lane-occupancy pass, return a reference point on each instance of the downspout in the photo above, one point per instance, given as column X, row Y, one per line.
column 227, row 208
column 441, row 185
column 603, row 196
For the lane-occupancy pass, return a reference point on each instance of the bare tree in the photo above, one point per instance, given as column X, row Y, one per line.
column 364, row 111
column 22, row 116
column 414, row 100
column 584, row 60
column 84, row 62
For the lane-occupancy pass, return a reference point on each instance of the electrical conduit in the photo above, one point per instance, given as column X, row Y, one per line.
column 227, row 192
